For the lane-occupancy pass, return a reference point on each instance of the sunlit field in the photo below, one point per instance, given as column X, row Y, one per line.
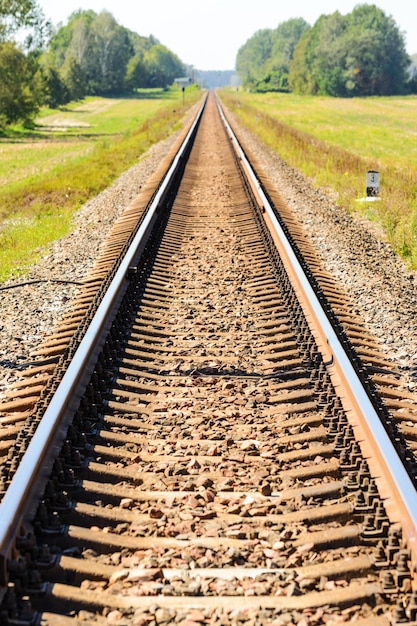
column 70, row 155
column 335, row 141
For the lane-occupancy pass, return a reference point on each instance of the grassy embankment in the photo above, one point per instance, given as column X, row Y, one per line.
column 72, row 154
column 335, row 141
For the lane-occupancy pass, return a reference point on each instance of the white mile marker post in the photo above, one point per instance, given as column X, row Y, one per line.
column 372, row 184
column 372, row 187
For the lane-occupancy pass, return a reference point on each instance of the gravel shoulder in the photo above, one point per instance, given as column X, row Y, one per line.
column 382, row 289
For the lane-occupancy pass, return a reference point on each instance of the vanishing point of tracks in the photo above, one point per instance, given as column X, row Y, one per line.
column 197, row 454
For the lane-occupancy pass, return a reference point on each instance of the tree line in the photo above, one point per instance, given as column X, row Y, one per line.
column 91, row 55
column 359, row 54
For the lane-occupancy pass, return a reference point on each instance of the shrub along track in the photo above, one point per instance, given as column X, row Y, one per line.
column 211, row 474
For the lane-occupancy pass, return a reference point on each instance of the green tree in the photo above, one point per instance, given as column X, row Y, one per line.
column 109, row 53
column 135, row 72
column 376, row 59
column 161, row 66
column 77, row 45
column 71, row 40
column 263, row 63
column 360, row 54
column 285, row 38
column 325, row 56
column 17, row 14
column 20, row 85
column 93, row 54
column 299, row 76
column 55, row 91
column 20, row 79
column 74, row 79
column 252, row 57
column 68, row 53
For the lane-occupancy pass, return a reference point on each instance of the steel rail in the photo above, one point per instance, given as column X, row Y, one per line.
column 354, row 397
column 24, row 487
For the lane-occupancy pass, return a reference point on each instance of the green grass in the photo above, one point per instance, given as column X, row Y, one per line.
column 47, row 173
column 335, row 141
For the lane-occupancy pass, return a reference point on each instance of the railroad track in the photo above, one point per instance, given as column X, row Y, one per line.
column 188, row 447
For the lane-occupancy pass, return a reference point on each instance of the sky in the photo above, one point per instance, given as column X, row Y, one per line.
column 208, row 33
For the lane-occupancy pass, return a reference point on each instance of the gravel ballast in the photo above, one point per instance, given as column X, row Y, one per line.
column 382, row 289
